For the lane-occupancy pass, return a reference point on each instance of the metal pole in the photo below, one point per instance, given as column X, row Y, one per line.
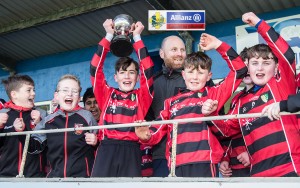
column 24, row 155
column 174, row 148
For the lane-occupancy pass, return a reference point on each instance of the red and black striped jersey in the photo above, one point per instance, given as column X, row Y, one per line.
column 122, row 107
column 195, row 142
column 273, row 146
column 234, row 145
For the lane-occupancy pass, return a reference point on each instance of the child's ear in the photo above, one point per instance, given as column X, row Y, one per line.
column 209, row 76
column 13, row 94
column 56, row 96
column 138, row 78
column 183, row 74
column 276, row 69
column 115, row 77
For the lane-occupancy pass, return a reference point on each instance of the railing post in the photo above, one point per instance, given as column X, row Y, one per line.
column 24, row 155
column 173, row 154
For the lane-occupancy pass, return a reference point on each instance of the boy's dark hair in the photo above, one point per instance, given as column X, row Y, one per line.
column 261, row 50
column 244, row 54
column 196, row 59
column 88, row 94
column 124, row 63
column 15, row 82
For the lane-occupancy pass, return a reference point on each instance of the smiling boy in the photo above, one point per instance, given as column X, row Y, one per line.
column 198, row 150
column 273, row 146
column 119, row 154
column 70, row 154
column 18, row 115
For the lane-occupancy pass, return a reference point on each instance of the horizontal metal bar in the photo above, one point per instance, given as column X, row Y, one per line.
column 148, row 123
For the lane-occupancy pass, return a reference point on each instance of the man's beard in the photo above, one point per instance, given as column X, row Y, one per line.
column 170, row 64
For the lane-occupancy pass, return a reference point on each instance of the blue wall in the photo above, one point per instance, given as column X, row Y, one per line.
column 48, row 69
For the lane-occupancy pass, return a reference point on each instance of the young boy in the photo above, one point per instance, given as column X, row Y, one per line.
column 70, row 154
column 90, row 103
column 273, row 146
column 18, row 114
column 119, row 153
column 198, row 150
column 235, row 162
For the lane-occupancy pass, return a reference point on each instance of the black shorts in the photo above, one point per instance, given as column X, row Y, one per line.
column 244, row 172
column 197, row 170
column 117, row 158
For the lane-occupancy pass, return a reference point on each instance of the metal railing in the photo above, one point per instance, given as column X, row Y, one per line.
column 174, row 136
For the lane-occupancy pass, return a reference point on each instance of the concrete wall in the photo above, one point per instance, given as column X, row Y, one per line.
column 175, row 182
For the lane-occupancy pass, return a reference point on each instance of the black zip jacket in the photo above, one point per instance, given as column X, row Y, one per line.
column 68, row 153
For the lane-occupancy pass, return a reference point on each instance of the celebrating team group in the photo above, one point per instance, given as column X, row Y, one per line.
column 266, row 146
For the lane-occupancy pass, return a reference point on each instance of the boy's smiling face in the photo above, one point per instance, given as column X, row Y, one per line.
column 24, row 96
column 68, row 94
column 195, row 79
column 127, row 79
column 262, row 70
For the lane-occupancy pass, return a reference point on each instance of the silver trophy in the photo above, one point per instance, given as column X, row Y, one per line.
column 121, row 45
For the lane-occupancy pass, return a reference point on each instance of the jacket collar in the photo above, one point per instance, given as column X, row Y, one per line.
column 168, row 71
column 11, row 105
column 77, row 107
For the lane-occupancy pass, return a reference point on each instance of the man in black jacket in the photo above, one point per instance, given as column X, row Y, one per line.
column 167, row 83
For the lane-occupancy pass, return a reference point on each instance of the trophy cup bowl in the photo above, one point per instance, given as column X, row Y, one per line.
column 121, row 45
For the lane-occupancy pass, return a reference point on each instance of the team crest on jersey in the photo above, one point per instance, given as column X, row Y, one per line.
column 133, row 97
column 77, row 125
column 199, row 94
column 264, row 97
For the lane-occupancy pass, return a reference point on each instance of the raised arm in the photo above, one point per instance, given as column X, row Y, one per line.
column 280, row 48
column 101, row 89
column 146, row 71
column 237, row 67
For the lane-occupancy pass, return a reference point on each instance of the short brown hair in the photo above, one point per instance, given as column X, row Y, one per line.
column 124, row 62
column 196, row 59
column 261, row 50
column 69, row 77
column 15, row 82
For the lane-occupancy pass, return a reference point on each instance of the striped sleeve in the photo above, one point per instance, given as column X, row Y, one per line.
column 101, row 89
column 284, row 53
column 146, row 77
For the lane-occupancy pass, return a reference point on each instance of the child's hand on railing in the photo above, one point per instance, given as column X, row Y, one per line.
column 91, row 139
column 209, row 106
column 143, row 132
column 36, row 116
column 3, row 119
column 19, row 124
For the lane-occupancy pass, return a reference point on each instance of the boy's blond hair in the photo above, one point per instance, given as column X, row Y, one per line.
column 15, row 82
column 69, row 77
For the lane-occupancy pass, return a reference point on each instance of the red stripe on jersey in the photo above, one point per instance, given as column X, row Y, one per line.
column 192, row 136
column 277, row 171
